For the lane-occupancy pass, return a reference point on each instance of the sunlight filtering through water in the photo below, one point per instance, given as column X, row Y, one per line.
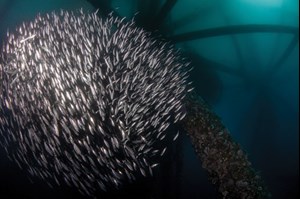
column 273, row 3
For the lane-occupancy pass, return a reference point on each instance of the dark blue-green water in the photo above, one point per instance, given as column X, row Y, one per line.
column 238, row 74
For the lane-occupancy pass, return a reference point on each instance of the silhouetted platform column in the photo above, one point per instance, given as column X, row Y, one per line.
column 225, row 161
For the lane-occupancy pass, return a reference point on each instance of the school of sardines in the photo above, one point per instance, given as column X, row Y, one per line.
column 86, row 100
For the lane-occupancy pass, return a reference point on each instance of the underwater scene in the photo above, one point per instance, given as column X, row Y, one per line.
column 149, row 99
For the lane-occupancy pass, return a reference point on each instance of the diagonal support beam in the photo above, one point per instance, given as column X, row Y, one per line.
column 163, row 13
column 289, row 49
column 226, row 163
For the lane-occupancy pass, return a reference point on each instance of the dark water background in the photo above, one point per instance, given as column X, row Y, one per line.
column 259, row 105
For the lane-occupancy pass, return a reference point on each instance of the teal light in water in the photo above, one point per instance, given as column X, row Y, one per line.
column 269, row 3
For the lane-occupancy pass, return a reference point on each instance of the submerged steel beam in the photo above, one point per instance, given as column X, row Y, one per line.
column 234, row 29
